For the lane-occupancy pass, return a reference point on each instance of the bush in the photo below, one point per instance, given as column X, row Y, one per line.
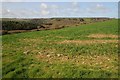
column 19, row 25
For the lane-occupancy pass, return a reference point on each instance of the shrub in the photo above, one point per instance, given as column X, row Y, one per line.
column 18, row 25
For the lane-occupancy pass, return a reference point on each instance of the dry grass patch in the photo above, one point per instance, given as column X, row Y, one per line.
column 88, row 41
column 102, row 36
column 52, row 58
column 31, row 40
column 60, row 37
column 104, row 62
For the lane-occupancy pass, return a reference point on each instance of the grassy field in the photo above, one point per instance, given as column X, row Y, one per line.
column 86, row 51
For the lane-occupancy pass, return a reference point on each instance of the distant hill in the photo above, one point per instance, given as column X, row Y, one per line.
column 10, row 24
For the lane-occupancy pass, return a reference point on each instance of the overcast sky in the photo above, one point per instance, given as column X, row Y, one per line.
column 22, row 9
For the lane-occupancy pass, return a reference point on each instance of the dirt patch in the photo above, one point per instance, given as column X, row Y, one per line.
column 52, row 58
column 102, row 36
column 88, row 41
column 103, row 61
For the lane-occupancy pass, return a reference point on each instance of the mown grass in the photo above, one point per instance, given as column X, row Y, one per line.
column 35, row 54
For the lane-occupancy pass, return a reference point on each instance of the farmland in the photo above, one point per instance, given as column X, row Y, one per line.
column 82, row 51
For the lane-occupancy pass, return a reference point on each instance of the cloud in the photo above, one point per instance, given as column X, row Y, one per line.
column 74, row 3
column 54, row 6
column 98, row 8
column 5, row 11
column 46, row 9
column 55, row 10
column 74, row 9
column 101, row 7
column 0, row 12
column 43, row 6
column 45, row 12
column 18, row 13
column 8, row 13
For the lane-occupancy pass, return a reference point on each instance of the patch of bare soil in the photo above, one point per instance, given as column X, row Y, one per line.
column 52, row 58
column 102, row 36
column 88, row 41
column 102, row 61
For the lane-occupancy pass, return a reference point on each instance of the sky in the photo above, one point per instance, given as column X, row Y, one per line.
column 21, row 9
column 60, row 0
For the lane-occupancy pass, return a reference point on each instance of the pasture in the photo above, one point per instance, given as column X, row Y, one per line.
column 85, row 51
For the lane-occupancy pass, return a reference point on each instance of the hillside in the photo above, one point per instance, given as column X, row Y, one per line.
column 14, row 25
column 85, row 51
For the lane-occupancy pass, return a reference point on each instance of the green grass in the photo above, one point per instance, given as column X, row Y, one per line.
column 84, row 60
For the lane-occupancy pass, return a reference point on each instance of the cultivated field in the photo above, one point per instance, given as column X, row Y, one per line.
column 85, row 51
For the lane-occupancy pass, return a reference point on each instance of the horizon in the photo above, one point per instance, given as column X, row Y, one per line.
column 58, row 17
